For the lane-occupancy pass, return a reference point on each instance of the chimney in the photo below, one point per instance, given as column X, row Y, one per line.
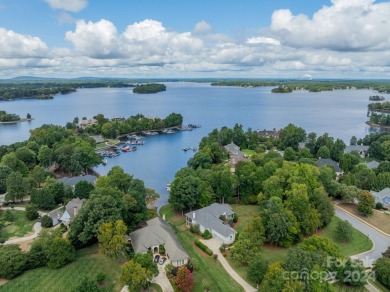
column 75, row 211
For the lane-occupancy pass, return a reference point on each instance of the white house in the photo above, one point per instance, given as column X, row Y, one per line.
column 382, row 197
column 209, row 218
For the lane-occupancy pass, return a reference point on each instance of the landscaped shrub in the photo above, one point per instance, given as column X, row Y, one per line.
column 8, row 216
column 12, row 261
column 235, row 218
column 46, row 222
column 252, row 200
column 100, row 277
column 194, row 228
column 203, row 247
column 31, row 212
column 379, row 206
column 382, row 271
column 161, row 249
column 207, row 234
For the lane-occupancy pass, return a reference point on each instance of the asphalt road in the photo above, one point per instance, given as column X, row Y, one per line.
column 381, row 241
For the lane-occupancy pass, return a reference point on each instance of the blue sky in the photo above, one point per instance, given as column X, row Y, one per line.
column 68, row 38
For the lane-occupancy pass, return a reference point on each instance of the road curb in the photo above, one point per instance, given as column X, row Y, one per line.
column 361, row 220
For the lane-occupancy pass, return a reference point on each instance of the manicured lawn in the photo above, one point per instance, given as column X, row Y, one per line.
column 378, row 219
column 359, row 243
column 88, row 263
column 245, row 214
column 248, row 152
column 20, row 227
column 210, row 275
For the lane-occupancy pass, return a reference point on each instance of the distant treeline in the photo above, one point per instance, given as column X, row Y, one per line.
column 380, row 106
column 6, row 117
column 46, row 90
column 379, row 119
column 311, row 86
column 149, row 88
column 138, row 123
column 282, row 89
column 376, row 98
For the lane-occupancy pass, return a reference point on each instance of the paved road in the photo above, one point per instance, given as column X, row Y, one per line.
column 381, row 241
column 214, row 245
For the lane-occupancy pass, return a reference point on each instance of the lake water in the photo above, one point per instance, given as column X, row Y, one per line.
column 341, row 113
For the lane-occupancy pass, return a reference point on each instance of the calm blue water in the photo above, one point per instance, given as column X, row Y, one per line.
column 340, row 113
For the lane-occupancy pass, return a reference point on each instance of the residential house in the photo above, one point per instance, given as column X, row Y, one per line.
column 209, row 218
column 72, row 181
column 86, row 123
column 55, row 216
column 361, row 149
column 156, row 233
column 267, row 134
column 71, row 210
column 382, row 197
column 235, row 154
column 327, row 161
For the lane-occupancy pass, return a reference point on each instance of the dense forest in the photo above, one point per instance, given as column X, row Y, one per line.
column 149, row 88
column 309, row 85
column 46, row 90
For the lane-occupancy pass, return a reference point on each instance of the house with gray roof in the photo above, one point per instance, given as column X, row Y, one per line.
column 72, row 181
column 235, row 154
column 156, row 233
column 361, row 149
column 373, row 164
column 71, row 210
column 208, row 218
column 382, row 197
column 331, row 162
column 55, row 216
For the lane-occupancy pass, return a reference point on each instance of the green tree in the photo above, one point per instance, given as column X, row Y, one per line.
column 320, row 200
column 348, row 161
column 59, row 253
column 185, row 192
column 87, row 285
column 5, row 171
column 118, row 179
column 14, row 163
column 12, row 261
column 112, row 239
column 27, row 156
column 257, row 269
column 337, row 149
column 273, row 281
column 135, row 276
column 17, row 187
column 83, row 189
column 352, row 273
column 146, row 261
column 289, row 154
column 243, row 250
column 291, row 136
column 38, row 175
column 382, row 271
column 45, row 156
column 31, row 212
column 344, row 231
column 353, row 141
column 323, row 152
column 46, row 221
column 385, row 148
column 36, row 257
column 43, row 198
column 366, row 203
column 200, row 159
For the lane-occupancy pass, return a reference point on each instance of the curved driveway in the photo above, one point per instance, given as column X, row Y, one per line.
column 381, row 241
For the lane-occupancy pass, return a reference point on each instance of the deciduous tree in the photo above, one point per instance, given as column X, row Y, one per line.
column 112, row 240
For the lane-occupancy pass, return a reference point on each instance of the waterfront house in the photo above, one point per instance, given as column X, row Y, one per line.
column 55, row 216
column 209, row 218
column 86, row 123
column 327, row 161
column 71, row 210
column 157, row 233
column 382, row 197
column 235, row 154
column 72, row 181
column 267, row 134
column 361, row 149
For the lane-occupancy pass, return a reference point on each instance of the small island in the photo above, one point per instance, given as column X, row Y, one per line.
column 376, row 98
column 149, row 88
column 7, row 118
column 282, row 89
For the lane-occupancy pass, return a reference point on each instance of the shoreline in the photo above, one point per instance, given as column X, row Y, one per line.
column 19, row 121
column 378, row 126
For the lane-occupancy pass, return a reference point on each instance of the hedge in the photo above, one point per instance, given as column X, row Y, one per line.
column 203, row 247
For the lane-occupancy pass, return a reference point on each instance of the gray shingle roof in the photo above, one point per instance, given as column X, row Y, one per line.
column 373, row 164
column 234, row 149
column 72, row 181
column 72, row 204
column 383, row 197
column 208, row 217
column 358, row 148
column 327, row 161
column 158, row 232
column 55, row 214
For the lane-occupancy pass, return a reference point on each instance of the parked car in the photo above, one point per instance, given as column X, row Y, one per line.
column 156, row 258
column 162, row 260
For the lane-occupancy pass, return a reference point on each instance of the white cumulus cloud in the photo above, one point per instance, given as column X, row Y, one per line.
column 68, row 5
column 202, row 27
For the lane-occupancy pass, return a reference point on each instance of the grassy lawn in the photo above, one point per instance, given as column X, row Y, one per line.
column 88, row 263
column 245, row 214
column 19, row 228
column 249, row 152
column 378, row 219
column 210, row 275
column 344, row 288
column 359, row 243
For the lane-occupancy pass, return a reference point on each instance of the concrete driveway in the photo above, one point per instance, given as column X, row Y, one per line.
column 162, row 279
column 381, row 241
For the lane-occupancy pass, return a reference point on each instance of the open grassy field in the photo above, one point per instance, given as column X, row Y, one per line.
column 88, row 263
column 378, row 219
column 248, row 152
column 19, row 228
